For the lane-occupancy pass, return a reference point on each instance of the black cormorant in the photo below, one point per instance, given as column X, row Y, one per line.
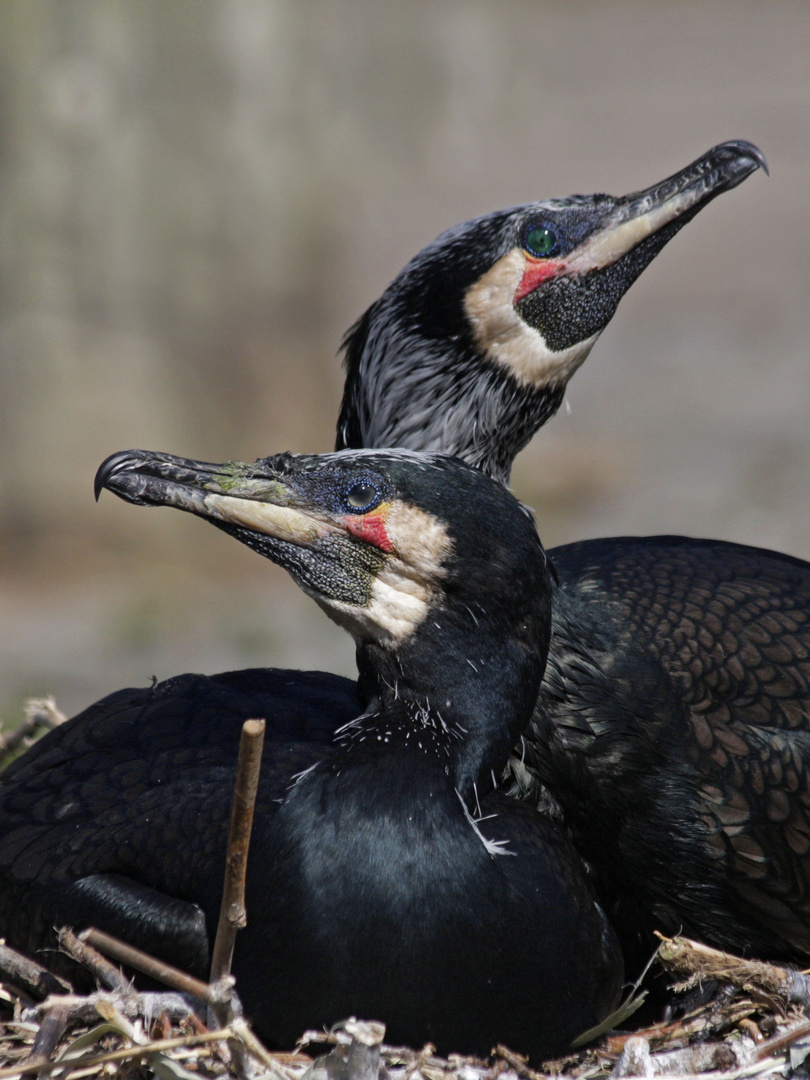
column 388, row 875
column 673, row 722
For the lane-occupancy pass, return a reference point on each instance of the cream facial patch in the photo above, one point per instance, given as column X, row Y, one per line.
column 506, row 339
column 401, row 593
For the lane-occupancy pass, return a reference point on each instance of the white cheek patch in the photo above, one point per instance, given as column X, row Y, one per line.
column 402, row 592
column 397, row 605
column 508, row 341
column 420, row 540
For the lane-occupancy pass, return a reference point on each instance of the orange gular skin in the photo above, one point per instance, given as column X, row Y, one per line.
column 535, row 272
column 371, row 527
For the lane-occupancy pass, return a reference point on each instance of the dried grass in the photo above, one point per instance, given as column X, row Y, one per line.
column 748, row 1027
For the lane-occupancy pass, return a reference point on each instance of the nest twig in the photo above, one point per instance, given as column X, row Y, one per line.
column 39, row 715
column 700, row 962
column 161, row 1031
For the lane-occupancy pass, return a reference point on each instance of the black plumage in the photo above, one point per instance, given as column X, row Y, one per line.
column 673, row 723
column 388, row 876
column 673, row 726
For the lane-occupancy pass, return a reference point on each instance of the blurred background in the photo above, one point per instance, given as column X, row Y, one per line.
column 198, row 198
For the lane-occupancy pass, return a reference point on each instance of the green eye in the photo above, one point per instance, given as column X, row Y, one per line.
column 540, row 241
column 361, row 496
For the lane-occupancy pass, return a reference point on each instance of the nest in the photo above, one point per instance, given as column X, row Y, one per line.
column 753, row 1024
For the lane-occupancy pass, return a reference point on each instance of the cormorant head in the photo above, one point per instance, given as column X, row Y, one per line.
column 471, row 347
column 434, row 568
column 391, row 544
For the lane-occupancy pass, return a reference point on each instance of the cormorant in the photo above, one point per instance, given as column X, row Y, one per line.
column 673, row 722
column 388, row 876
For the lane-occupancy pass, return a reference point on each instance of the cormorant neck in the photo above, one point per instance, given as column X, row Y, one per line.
column 407, row 389
column 470, row 694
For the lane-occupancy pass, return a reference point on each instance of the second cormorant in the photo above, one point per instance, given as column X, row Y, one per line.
column 673, row 723
column 388, row 875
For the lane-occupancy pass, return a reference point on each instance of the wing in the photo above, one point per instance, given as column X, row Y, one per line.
column 119, row 817
column 677, row 704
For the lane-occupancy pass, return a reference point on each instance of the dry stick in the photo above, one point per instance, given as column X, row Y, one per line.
column 158, row 1047
column 703, row 962
column 274, row 1063
column 106, row 973
column 30, row 976
column 51, row 1030
column 636, row 1059
column 364, row 1051
column 778, row 1043
column 518, row 1062
column 232, row 910
column 85, row 1009
column 147, row 965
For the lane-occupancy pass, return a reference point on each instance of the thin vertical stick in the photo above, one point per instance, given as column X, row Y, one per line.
column 232, row 915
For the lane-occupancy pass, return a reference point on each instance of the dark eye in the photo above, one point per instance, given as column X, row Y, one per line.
column 540, row 241
column 362, row 495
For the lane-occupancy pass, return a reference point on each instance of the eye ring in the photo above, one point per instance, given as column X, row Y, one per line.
column 361, row 496
column 539, row 240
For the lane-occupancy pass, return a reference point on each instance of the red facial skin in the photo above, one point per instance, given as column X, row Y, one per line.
column 371, row 528
column 535, row 272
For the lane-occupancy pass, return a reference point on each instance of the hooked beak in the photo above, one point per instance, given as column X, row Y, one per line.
column 234, row 494
column 673, row 201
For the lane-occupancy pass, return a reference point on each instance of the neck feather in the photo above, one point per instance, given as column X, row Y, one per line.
column 422, row 394
column 469, row 695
